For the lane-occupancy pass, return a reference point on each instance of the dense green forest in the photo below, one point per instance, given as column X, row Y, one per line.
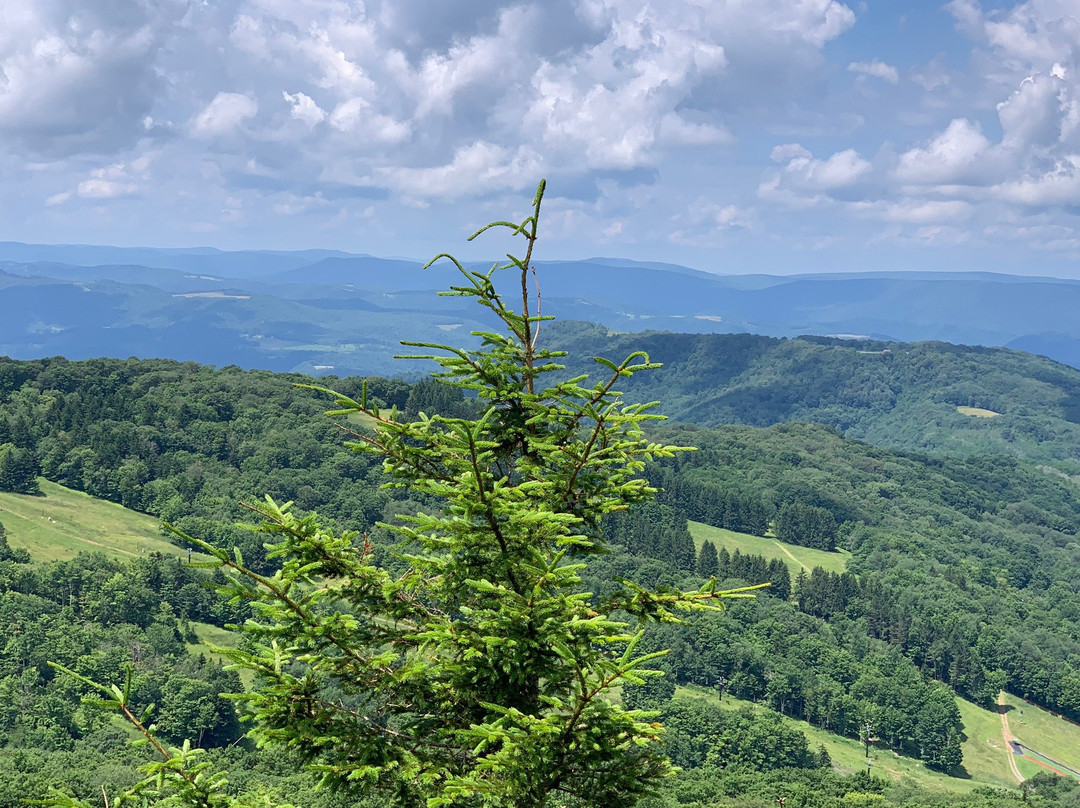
column 962, row 576
column 896, row 395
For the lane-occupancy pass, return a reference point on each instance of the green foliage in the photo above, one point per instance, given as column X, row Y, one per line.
column 968, row 566
column 18, row 470
column 483, row 673
column 656, row 531
column 897, row 395
column 708, row 563
column 184, row 442
column 701, row 734
column 806, row 525
column 18, row 555
column 834, row 678
column 179, row 776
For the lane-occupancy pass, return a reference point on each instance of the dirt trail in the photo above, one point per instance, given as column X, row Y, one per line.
column 1007, row 737
column 788, row 553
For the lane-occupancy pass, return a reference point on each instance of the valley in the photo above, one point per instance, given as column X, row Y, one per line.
column 952, row 574
column 319, row 312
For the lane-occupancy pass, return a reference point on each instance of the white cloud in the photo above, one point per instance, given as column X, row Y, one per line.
column 75, row 78
column 1058, row 186
column 1032, row 116
column 356, row 116
column 802, row 171
column 675, row 130
column 838, row 171
column 104, row 189
column 478, row 168
column 955, row 155
column 1029, row 37
column 789, row 151
column 912, row 211
column 772, row 189
column 877, row 69
column 577, row 105
column 933, row 76
column 224, row 114
column 709, row 223
column 305, row 109
column 112, row 181
column 442, row 77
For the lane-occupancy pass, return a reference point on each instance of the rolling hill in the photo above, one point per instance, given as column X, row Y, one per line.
column 325, row 311
column 61, row 522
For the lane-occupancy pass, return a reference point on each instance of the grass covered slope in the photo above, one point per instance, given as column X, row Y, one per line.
column 986, row 756
column 62, row 523
column 911, row 396
column 797, row 558
column 1056, row 738
column 970, row 567
column 985, row 763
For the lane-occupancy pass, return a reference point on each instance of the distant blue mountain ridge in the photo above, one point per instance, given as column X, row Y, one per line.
column 327, row 311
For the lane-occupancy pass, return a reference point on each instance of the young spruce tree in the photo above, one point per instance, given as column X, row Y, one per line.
column 484, row 675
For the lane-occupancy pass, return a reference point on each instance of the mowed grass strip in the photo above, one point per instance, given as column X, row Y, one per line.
column 791, row 554
column 62, row 523
column 849, row 756
column 1044, row 732
column 985, row 756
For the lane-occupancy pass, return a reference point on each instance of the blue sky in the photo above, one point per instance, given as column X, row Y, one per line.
column 742, row 136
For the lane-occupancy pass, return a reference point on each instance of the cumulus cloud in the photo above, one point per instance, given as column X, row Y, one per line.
column 356, row 115
column 1031, row 51
column 75, row 77
column 111, row 181
column 709, row 223
column 877, row 69
column 98, row 188
column 952, row 156
column 676, row 130
column 1027, row 38
column 1035, row 115
column 805, row 180
column 305, row 109
column 1060, row 185
column 480, row 167
column 224, row 114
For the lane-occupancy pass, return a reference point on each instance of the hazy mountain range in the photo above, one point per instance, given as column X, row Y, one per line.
column 328, row 311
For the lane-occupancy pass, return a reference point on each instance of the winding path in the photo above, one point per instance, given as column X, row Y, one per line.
column 1008, row 738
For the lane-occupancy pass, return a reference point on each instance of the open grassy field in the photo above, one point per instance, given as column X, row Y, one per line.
column 985, row 756
column 208, row 635
column 1044, row 732
column 62, row 523
column 977, row 412
column 791, row 554
column 984, row 764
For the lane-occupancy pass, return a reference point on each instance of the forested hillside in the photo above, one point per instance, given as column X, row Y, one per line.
column 925, row 396
column 966, row 565
column 961, row 574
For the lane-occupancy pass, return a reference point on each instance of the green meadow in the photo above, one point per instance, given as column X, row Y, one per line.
column 791, row 554
column 983, row 764
column 61, row 523
column 1044, row 732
